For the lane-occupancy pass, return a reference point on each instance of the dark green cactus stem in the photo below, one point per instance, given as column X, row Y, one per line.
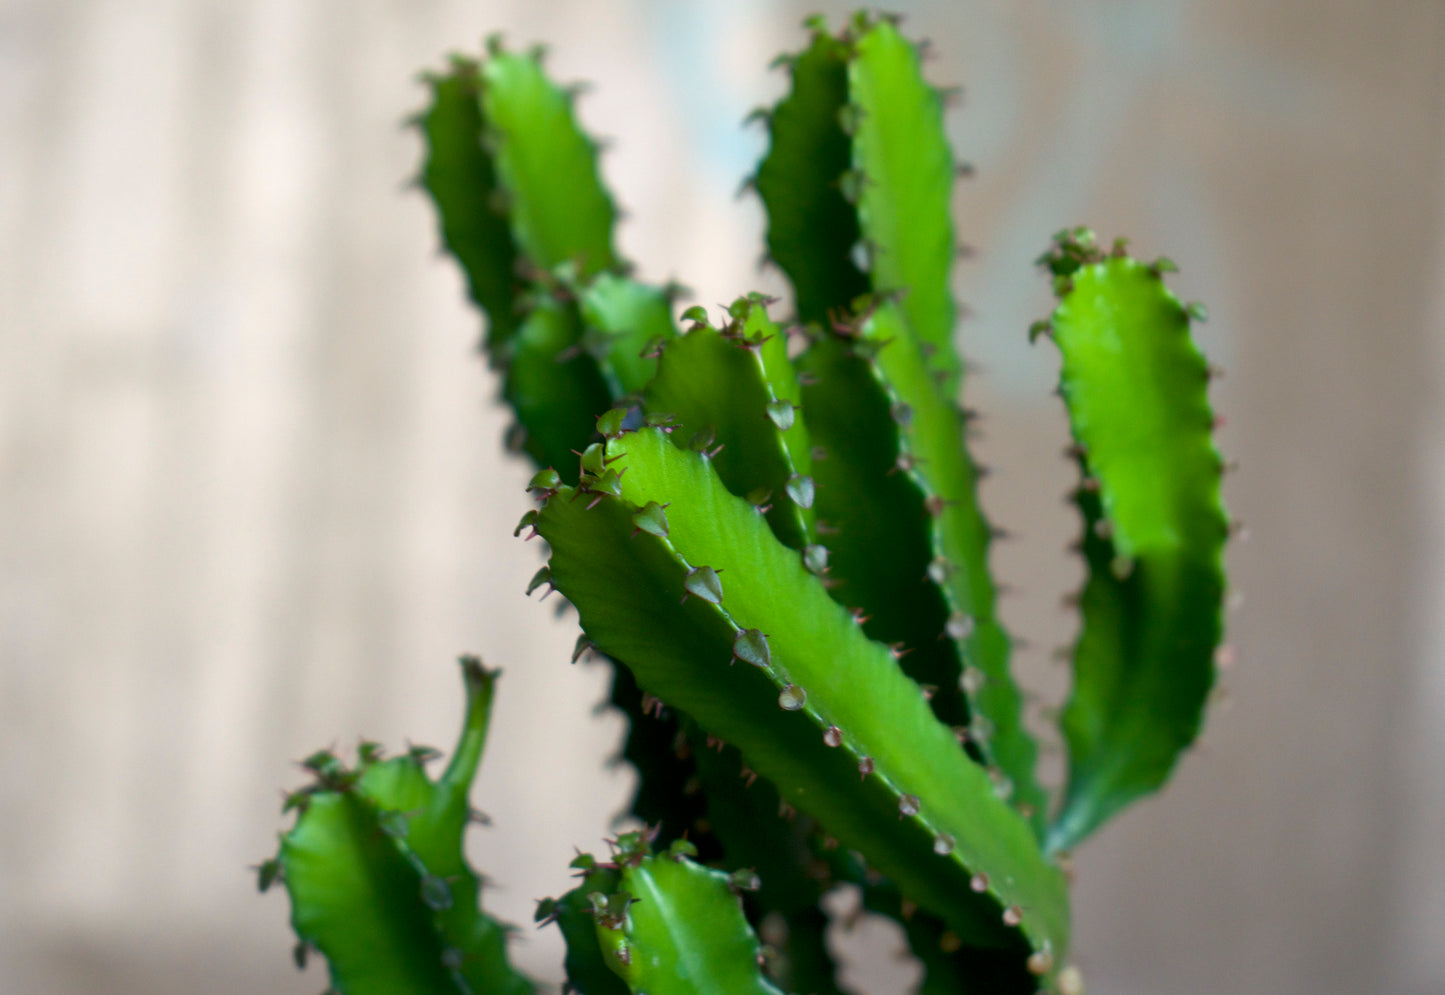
column 462, row 181
column 555, row 390
column 858, row 146
column 812, row 228
column 664, row 924
column 932, row 453
column 523, row 210
column 376, row 873
column 771, row 664
column 876, row 520
column 1136, row 390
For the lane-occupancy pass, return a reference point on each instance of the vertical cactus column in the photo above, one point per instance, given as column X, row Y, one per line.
column 523, row 209
column 1135, row 387
column 858, row 146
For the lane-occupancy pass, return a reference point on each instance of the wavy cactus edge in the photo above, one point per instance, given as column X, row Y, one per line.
column 686, row 503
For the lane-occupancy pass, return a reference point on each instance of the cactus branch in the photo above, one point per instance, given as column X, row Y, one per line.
column 1135, row 388
column 906, row 174
column 664, row 924
column 811, row 226
column 733, row 392
column 377, row 877
column 812, row 684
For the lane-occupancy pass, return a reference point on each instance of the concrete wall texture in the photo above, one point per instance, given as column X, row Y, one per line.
column 252, row 495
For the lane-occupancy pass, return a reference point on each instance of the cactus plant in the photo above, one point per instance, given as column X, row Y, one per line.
column 771, row 530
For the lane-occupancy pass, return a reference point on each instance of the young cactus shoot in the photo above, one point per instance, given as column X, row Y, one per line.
column 768, row 520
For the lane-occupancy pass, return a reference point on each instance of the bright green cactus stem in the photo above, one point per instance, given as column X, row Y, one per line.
column 376, row 873
column 858, row 155
column 1136, row 390
column 716, row 617
column 783, row 553
column 523, row 209
column 663, row 924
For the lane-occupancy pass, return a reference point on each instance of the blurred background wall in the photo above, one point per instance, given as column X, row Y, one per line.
column 252, row 499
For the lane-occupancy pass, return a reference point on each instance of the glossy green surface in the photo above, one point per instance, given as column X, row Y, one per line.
column 733, row 391
column 906, row 171
column 548, row 167
column 924, row 814
column 1135, row 387
column 683, row 933
column 377, row 876
column 812, row 228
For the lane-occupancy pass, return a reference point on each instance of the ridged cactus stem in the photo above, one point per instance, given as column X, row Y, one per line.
column 664, row 924
column 767, row 661
column 857, row 183
column 782, row 554
column 375, row 870
column 1135, row 386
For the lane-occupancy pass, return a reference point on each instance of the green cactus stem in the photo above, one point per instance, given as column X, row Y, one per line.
column 1135, row 386
column 555, row 390
column 932, row 453
column 784, row 556
column 904, row 173
column 861, row 137
column 462, row 180
column 757, row 829
column 733, row 391
column 876, row 521
column 664, row 924
column 375, row 870
column 811, row 226
column 859, row 146
column 626, row 325
column 774, row 666
column 523, row 209
column 547, row 166
column 588, row 972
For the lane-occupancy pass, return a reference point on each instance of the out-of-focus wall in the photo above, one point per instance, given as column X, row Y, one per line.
column 252, row 498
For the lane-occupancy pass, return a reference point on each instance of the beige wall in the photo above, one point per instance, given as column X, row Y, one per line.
column 252, row 500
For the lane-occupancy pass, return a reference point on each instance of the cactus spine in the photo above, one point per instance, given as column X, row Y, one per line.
column 781, row 553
